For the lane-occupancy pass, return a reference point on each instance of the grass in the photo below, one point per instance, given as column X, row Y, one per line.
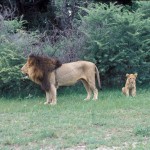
column 112, row 122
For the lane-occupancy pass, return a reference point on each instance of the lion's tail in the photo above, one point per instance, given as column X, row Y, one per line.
column 98, row 78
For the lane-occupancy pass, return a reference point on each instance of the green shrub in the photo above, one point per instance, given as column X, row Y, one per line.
column 118, row 40
column 15, row 44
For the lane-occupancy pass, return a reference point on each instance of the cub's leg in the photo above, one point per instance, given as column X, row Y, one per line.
column 125, row 91
column 87, row 87
column 53, row 91
column 133, row 92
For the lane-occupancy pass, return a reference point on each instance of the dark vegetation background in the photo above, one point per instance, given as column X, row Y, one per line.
column 113, row 35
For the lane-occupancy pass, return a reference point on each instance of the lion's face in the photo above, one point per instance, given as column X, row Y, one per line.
column 31, row 70
column 131, row 78
column 25, row 69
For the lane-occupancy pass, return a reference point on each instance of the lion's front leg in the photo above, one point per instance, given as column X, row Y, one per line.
column 53, row 91
column 48, row 98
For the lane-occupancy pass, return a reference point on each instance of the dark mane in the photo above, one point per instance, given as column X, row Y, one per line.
column 46, row 65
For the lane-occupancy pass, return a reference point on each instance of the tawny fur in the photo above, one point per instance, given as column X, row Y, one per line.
column 130, row 85
column 65, row 75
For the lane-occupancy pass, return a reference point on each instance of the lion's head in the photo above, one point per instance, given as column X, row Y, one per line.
column 38, row 67
column 131, row 79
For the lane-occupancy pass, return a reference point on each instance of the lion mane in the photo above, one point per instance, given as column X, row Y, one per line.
column 51, row 74
column 130, row 85
column 38, row 69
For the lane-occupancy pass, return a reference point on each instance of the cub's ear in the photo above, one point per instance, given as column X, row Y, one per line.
column 127, row 75
column 135, row 74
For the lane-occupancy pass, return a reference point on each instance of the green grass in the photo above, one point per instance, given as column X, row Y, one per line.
column 113, row 121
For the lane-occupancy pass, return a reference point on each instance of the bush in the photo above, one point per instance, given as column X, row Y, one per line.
column 118, row 40
column 15, row 45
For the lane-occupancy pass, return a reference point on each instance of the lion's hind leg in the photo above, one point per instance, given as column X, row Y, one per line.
column 88, row 90
column 94, row 90
column 91, row 83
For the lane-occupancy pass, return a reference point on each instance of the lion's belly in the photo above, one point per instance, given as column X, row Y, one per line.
column 66, row 82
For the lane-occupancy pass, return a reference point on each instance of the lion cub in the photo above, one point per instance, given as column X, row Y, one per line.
column 130, row 86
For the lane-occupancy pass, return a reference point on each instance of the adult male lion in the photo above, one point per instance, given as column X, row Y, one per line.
column 130, row 86
column 50, row 74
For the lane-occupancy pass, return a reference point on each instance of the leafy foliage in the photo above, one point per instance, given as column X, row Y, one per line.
column 118, row 40
column 13, row 41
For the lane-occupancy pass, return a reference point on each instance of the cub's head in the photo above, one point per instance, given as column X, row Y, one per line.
column 131, row 78
column 37, row 68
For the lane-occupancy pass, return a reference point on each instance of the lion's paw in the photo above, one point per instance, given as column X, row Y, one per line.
column 46, row 103
column 54, row 103
column 87, row 99
column 95, row 99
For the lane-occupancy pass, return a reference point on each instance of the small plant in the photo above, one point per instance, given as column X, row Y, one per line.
column 142, row 131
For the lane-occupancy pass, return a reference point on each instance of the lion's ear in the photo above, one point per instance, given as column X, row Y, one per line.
column 127, row 75
column 37, row 62
column 135, row 74
column 31, row 61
